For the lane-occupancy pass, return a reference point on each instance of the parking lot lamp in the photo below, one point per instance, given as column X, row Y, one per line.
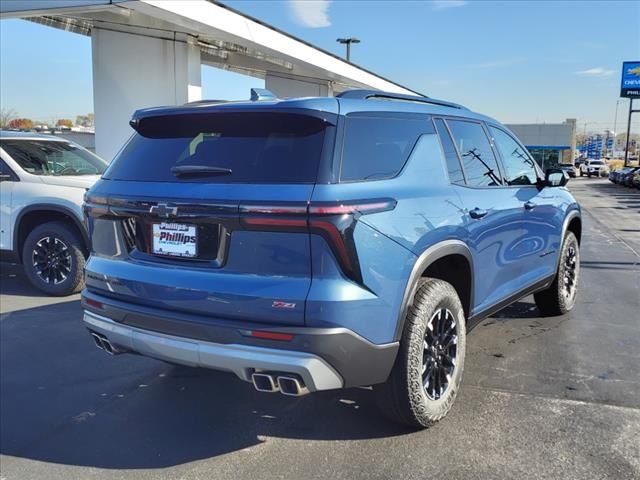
column 348, row 42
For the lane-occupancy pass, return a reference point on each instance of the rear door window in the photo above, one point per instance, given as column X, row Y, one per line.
column 246, row 147
column 377, row 147
column 480, row 166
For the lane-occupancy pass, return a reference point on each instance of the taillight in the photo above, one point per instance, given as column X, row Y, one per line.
column 334, row 221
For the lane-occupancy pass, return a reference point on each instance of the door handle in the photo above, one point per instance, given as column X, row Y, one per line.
column 477, row 213
column 529, row 206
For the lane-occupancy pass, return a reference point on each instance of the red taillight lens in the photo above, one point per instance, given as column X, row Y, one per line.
column 332, row 220
column 364, row 207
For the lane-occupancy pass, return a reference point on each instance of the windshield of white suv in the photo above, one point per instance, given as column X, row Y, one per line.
column 43, row 157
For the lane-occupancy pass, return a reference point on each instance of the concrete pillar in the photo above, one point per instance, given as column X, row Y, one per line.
column 287, row 86
column 134, row 71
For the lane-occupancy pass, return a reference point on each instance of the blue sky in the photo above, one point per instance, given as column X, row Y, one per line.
column 518, row 61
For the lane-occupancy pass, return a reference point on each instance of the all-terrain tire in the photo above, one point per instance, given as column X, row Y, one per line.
column 64, row 241
column 403, row 397
column 557, row 299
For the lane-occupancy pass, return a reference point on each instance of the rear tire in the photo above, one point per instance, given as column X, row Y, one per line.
column 560, row 297
column 57, row 252
column 426, row 376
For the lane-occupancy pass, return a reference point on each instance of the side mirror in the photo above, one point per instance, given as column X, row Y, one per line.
column 556, row 177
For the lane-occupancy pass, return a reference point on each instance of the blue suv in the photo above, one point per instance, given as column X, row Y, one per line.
column 323, row 243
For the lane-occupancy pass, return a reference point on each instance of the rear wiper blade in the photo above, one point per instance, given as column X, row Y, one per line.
column 199, row 171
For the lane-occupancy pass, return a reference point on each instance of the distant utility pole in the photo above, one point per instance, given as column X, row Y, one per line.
column 348, row 42
column 615, row 120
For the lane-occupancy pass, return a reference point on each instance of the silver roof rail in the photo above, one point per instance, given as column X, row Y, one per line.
column 363, row 94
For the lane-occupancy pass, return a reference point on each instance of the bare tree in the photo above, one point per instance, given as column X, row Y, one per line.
column 6, row 115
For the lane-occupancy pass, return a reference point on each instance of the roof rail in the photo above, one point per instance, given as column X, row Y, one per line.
column 363, row 94
column 196, row 102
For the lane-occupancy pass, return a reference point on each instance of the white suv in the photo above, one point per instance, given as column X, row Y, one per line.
column 43, row 179
column 593, row 167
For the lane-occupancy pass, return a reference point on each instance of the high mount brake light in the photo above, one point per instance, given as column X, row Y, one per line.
column 334, row 221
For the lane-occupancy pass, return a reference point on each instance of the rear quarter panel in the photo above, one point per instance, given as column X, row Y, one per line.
column 428, row 211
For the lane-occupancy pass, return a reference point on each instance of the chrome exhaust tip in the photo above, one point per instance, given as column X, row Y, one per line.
column 97, row 340
column 108, row 347
column 264, row 382
column 292, row 386
column 104, row 344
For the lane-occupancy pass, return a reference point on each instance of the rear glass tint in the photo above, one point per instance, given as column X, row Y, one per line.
column 377, row 147
column 255, row 147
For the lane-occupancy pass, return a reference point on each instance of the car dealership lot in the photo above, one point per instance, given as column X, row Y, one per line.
column 541, row 398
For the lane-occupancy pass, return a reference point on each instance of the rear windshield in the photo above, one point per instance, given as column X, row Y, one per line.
column 242, row 147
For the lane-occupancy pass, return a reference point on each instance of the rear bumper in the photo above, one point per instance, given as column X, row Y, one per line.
column 325, row 358
column 242, row 360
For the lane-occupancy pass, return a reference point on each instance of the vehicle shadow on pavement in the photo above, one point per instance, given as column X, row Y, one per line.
column 64, row 401
column 13, row 281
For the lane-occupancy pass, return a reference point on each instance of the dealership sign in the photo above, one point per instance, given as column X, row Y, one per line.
column 630, row 80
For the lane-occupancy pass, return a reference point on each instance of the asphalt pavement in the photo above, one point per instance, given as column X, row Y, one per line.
column 541, row 397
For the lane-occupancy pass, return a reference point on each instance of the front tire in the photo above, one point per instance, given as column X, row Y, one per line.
column 560, row 297
column 426, row 376
column 53, row 259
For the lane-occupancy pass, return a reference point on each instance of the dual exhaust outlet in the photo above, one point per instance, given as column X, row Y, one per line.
column 103, row 343
column 286, row 384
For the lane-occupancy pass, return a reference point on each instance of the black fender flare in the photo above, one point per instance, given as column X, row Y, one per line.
column 575, row 213
column 427, row 258
column 47, row 207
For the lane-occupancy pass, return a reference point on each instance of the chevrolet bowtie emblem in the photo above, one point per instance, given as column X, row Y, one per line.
column 164, row 210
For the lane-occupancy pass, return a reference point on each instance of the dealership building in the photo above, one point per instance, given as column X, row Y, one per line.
column 549, row 143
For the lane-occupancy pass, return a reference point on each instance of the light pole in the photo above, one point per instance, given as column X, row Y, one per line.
column 348, row 42
column 584, row 137
column 615, row 120
column 615, row 124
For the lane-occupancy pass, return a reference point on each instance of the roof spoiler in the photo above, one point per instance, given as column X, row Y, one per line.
column 363, row 94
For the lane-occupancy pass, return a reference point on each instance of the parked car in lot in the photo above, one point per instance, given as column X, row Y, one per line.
column 626, row 179
column 619, row 175
column 43, row 180
column 569, row 168
column 324, row 243
column 593, row 168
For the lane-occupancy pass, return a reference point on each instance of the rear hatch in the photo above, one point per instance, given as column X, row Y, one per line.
column 187, row 218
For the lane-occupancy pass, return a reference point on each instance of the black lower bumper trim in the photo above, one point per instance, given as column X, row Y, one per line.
column 358, row 361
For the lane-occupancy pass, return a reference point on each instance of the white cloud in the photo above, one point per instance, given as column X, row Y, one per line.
column 442, row 4
column 596, row 72
column 311, row 13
